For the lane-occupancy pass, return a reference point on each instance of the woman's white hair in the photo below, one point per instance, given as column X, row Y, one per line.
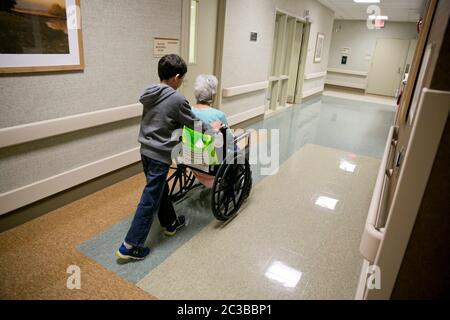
column 205, row 88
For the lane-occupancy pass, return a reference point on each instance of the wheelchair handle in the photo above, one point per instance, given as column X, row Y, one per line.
column 242, row 136
column 224, row 129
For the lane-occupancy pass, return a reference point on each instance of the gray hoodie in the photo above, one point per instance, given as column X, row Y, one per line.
column 165, row 110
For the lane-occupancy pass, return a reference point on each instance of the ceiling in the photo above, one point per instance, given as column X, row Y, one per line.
column 396, row 10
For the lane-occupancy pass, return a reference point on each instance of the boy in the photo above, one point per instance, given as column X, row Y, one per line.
column 165, row 110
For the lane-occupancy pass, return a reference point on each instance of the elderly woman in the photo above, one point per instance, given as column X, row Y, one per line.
column 205, row 91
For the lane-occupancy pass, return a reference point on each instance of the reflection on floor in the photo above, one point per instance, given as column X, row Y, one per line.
column 296, row 238
column 297, row 235
column 347, row 93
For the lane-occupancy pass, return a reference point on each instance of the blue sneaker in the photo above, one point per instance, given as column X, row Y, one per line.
column 136, row 253
column 179, row 223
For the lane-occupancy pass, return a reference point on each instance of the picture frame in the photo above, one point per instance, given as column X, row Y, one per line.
column 319, row 47
column 41, row 36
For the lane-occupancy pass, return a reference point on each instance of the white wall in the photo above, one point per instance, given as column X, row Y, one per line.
column 246, row 62
column 362, row 41
column 118, row 48
column 117, row 37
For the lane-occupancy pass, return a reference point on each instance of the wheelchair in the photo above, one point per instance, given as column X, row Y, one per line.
column 229, row 167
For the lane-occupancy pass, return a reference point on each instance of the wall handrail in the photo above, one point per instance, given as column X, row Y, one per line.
column 309, row 76
column 372, row 236
column 247, row 88
column 48, row 128
column 352, row 72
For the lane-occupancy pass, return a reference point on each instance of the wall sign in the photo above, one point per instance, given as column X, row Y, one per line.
column 253, row 36
column 346, row 50
column 163, row 46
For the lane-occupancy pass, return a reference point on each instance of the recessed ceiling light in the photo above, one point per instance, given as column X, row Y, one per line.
column 366, row 1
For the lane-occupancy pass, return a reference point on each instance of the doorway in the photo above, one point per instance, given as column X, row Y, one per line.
column 202, row 35
column 387, row 66
column 390, row 237
column 288, row 60
column 295, row 62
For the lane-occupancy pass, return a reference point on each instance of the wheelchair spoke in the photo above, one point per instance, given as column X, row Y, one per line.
column 223, row 200
column 233, row 196
column 241, row 185
column 224, row 188
column 220, row 196
column 227, row 202
column 239, row 177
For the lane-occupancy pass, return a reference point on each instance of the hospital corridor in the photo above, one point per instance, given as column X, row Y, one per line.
column 224, row 150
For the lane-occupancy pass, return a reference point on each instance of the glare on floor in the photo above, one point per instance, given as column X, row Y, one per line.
column 347, row 166
column 327, row 202
column 287, row 276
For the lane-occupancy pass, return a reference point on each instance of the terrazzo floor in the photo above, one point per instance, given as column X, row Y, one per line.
column 296, row 237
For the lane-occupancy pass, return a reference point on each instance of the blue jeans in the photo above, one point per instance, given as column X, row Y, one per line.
column 155, row 198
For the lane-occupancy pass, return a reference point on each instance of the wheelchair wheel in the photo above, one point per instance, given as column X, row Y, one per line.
column 231, row 187
column 180, row 182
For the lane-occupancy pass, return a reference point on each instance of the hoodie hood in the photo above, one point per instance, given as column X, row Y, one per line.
column 165, row 112
column 156, row 93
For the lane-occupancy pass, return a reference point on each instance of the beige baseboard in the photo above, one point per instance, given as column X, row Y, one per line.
column 25, row 195
column 37, row 209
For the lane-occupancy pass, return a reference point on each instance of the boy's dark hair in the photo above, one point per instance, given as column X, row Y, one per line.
column 170, row 65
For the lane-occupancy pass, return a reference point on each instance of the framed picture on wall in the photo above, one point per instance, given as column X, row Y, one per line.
column 40, row 36
column 319, row 47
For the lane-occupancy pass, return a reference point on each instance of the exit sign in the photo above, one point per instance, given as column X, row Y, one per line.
column 379, row 23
